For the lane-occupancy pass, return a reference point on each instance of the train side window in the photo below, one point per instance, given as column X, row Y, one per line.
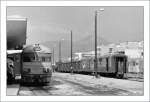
column 100, row 60
column 49, row 59
column 103, row 63
column 39, row 59
column 43, row 59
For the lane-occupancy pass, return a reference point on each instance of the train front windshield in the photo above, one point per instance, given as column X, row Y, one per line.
column 32, row 57
column 28, row 57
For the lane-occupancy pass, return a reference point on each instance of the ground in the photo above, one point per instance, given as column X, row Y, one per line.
column 66, row 84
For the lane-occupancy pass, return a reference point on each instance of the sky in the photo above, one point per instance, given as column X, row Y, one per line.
column 115, row 24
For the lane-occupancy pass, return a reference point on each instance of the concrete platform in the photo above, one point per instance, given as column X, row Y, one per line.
column 12, row 90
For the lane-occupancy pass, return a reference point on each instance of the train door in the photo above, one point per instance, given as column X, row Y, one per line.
column 120, row 66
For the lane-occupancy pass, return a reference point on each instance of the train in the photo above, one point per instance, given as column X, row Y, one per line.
column 33, row 64
column 36, row 64
column 110, row 64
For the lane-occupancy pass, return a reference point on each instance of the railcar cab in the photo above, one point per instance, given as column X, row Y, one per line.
column 36, row 63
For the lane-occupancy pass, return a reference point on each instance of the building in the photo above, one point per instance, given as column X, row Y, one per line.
column 131, row 49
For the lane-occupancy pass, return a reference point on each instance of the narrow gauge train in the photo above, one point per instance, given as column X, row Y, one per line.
column 112, row 64
column 36, row 64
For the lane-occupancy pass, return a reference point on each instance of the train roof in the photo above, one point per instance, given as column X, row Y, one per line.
column 115, row 54
column 36, row 48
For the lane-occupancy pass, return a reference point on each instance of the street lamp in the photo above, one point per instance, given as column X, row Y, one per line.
column 95, row 60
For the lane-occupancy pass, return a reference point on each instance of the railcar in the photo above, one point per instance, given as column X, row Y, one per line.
column 112, row 64
column 36, row 64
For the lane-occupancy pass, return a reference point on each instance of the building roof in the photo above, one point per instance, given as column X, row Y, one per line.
column 13, row 51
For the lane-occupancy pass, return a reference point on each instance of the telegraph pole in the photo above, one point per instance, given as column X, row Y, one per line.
column 59, row 51
column 71, row 54
column 53, row 55
column 95, row 60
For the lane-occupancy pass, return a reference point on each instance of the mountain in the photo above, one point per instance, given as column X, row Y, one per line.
column 88, row 43
column 81, row 45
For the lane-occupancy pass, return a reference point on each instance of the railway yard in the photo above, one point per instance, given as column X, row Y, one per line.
column 76, row 74
column 66, row 84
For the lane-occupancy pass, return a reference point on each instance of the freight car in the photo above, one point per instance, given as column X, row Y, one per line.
column 36, row 64
column 112, row 64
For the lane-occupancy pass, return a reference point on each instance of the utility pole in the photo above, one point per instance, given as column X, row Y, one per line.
column 53, row 55
column 59, row 54
column 60, row 51
column 95, row 60
column 71, row 54
column 60, row 60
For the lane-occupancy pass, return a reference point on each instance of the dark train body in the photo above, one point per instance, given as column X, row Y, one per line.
column 112, row 64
